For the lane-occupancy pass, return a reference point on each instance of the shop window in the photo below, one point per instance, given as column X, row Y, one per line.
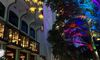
column 13, row 36
column 23, row 56
column 10, row 54
column 13, row 18
column 24, row 26
column 1, row 30
column 33, row 46
column 24, row 41
column 2, row 10
column 32, row 32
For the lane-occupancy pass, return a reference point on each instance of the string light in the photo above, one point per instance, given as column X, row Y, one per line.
column 32, row 9
column 40, row 16
column 40, row 3
column 35, row 1
column 40, row 9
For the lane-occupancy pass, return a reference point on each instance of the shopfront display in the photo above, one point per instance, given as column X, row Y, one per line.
column 1, row 30
column 10, row 54
column 23, row 56
column 17, row 44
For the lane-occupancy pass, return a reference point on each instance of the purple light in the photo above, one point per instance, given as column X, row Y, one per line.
column 96, row 2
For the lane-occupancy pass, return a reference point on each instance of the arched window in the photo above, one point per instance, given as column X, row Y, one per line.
column 32, row 32
column 13, row 18
column 24, row 26
column 2, row 10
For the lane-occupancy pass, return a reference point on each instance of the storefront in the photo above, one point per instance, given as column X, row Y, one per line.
column 14, row 42
column 23, row 56
column 10, row 53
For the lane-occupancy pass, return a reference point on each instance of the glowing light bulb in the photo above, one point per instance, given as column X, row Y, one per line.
column 40, row 3
column 40, row 16
column 10, row 35
column 57, row 27
column 98, row 39
column 57, row 14
column 32, row 9
column 40, row 8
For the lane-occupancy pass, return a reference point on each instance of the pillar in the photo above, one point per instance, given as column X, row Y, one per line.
column 28, row 56
column 17, row 54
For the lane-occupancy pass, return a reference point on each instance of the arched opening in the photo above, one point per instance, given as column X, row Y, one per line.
column 32, row 32
column 13, row 18
column 2, row 10
column 24, row 26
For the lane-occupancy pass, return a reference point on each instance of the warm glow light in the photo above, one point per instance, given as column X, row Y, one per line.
column 81, row 16
column 42, row 28
column 1, row 30
column 32, row 9
column 57, row 14
column 40, row 8
column 35, row 1
column 98, row 39
column 19, row 39
column 41, row 16
column 27, row 0
column 40, row 3
column 57, row 27
column 13, row 41
column 10, row 35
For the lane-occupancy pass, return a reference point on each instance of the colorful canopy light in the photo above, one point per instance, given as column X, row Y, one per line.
column 97, row 2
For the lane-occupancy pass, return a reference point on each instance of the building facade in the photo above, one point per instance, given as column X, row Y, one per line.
column 23, row 35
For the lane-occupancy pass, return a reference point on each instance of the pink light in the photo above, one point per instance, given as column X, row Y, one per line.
column 82, row 44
